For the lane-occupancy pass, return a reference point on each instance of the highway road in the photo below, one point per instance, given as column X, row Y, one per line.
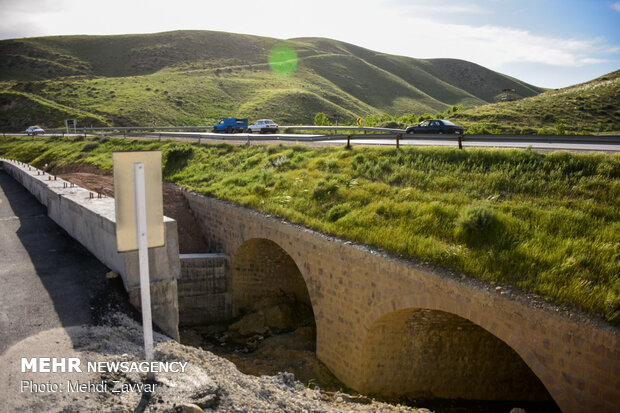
column 550, row 143
column 602, row 143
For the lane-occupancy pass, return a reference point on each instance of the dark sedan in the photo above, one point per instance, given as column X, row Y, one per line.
column 437, row 126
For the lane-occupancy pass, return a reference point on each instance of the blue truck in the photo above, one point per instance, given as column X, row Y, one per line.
column 231, row 125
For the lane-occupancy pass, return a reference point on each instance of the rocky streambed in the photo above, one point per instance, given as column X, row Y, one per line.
column 277, row 334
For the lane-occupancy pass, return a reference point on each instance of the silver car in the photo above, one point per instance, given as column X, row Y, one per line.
column 33, row 130
column 263, row 126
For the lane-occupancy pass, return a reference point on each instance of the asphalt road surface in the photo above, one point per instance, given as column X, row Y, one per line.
column 47, row 278
column 468, row 141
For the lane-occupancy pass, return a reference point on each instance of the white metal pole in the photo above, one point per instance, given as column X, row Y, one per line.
column 143, row 258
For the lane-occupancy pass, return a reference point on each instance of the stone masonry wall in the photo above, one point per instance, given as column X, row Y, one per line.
column 352, row 287
column 204, row 287
column 260, row 268
column 448, row 343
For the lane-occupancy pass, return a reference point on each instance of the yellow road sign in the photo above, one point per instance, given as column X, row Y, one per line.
column 124, row 199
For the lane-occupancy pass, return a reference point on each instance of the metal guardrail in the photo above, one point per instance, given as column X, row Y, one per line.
column 343, row 128
column 387, row 133
column 209, row 128
column 130, row 128
column 543, row 138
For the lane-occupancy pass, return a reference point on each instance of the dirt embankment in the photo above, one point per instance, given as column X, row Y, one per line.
column 175, row 204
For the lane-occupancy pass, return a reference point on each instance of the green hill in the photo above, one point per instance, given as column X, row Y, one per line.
column 590, row 107
column 194, row 77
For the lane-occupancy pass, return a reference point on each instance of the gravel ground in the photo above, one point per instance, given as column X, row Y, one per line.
column 209, row 383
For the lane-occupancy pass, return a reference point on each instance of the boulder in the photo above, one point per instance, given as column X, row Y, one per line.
column 250, row 324
column 280, row 317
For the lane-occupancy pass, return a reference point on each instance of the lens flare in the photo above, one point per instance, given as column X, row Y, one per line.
column 283, row 59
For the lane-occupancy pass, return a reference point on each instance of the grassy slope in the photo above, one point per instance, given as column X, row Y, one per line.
column 590, row 107
column 548, row 223
column 451, row 81
column 217, row 74
column 475, row 79
column 22, row 107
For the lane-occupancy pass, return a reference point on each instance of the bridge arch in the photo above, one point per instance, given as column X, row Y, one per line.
column 412, row 352
column 259, row 267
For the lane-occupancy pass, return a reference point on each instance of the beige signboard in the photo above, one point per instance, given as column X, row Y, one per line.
column 124, row 199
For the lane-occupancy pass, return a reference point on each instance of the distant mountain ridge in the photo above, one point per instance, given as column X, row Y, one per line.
column 190, row 76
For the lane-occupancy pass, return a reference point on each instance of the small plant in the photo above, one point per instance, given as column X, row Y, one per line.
column 476, row 225
column 175, row 158
column 281, row 162
column 560, row 128
column 337, row 212
column 392, row 124
column 324, row 190
column 321, row 120
column 331, row 165
column 544, row 131
column 481, row 129
column 90, row 146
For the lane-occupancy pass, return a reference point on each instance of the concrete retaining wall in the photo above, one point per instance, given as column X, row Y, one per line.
column 205, row 294
column 92, row 223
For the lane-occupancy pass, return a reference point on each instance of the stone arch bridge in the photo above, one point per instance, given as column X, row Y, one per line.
column 386, row 326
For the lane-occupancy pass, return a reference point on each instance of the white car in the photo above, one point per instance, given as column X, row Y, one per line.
column 33, row 130
column 263, row 126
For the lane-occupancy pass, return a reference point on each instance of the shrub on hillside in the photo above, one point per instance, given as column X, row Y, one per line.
column 324, row 190
column 337, row 212
column 321, row 120
column 392, row 125
column 481, row 129
column 90, row 146
column 545, row 131
column 479, row 226
column 560, row 128
column 175, row 157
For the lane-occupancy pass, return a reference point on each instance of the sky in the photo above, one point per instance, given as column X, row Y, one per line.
column 548, row 43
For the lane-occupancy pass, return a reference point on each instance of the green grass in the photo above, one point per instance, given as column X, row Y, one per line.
column 588, row 108
column 20, row 108
column 546, row 223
